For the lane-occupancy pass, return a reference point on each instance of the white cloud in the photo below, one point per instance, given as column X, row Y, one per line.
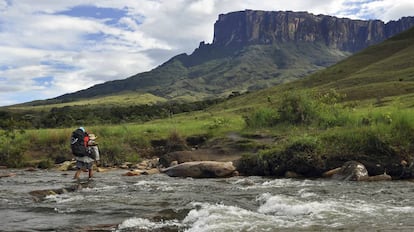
column 36, row 40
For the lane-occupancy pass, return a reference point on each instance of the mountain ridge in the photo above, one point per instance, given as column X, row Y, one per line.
column 252, row 27
column 251, row 50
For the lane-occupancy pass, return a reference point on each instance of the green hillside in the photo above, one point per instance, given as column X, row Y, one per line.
column 382, row 70
column 379, row 72
column 213, row 72
column 121, row 99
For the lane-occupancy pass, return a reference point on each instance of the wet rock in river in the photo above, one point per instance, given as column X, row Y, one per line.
column 351, row 170
column 201, row 169
column 355, row 171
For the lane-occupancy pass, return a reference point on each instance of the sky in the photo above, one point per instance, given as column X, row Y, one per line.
column 52, row 47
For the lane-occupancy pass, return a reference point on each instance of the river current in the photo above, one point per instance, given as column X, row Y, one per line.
column 113, row 202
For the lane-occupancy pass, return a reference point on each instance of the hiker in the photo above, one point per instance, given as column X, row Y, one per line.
column 83, row 155
column 93, row 145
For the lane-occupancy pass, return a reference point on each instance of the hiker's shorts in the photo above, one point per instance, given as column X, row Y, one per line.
column 83, row 165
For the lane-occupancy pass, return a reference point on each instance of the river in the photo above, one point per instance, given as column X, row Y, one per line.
column 113, row 202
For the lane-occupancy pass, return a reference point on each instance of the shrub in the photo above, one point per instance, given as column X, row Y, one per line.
column 45, row 164
column 263, row 117
column 297, row 108
column 175, row 142
column 301, row 156
column 12, row 144
column 301, row 108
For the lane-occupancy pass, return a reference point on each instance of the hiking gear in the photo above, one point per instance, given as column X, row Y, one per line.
column 91, row 152
column 77, row 143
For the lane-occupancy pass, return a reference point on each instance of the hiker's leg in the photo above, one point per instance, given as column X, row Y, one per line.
column 77, row 173
column 79, row 166
column 90, row 169
column 90, row 173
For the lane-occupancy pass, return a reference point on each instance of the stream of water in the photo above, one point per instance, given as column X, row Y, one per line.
column 114, row 202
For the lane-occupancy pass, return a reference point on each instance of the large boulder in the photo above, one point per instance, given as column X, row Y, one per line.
column 351, row 170
column 356, row 171
column 201, row 169
column 198, row 155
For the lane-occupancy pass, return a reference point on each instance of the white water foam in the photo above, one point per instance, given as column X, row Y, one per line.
column 155, row 185
column 247, row 183
column 306, row 193
column 288, row 206
column 64, row 198
column 286, row 182
column 218, row 217
column 303, row 211
column 403, row 209
column 145, row 224
column 104, row 188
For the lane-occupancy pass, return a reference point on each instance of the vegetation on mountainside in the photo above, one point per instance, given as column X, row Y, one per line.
column 120, row 99
column 216, row 72
column 382, row 70
column 70, row 116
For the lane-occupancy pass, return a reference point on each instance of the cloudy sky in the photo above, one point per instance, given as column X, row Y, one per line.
column 52, row 47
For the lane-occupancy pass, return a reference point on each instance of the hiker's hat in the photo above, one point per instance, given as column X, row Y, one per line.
column 92, row 136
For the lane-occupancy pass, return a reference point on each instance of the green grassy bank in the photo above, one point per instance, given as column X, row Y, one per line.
column 118, row 143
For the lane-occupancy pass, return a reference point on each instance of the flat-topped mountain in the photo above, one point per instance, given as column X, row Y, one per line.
column 264, row 27
column 252, row 50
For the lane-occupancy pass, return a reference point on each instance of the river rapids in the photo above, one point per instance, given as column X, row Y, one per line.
column 112, row 202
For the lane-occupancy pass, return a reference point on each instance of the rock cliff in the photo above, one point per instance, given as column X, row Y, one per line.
column 253, row 50
column 269, row 27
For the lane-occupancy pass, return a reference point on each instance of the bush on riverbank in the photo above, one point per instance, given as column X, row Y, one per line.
column 378, row 137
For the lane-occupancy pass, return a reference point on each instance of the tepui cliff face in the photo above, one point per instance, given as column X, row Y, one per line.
column 268, row 27
column 253, row 50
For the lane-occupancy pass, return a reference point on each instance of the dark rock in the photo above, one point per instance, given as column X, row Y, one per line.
column 39, row 195
column 196, row 140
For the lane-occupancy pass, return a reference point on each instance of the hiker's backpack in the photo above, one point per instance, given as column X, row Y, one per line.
column 77, row 143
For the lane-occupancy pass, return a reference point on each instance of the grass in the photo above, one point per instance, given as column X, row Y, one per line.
column 125, row 99
column 118, row 143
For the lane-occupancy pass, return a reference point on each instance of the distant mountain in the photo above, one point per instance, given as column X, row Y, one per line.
column 253, row 50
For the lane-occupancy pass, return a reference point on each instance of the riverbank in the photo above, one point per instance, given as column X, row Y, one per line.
column 261, row 155
column 262, row 142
